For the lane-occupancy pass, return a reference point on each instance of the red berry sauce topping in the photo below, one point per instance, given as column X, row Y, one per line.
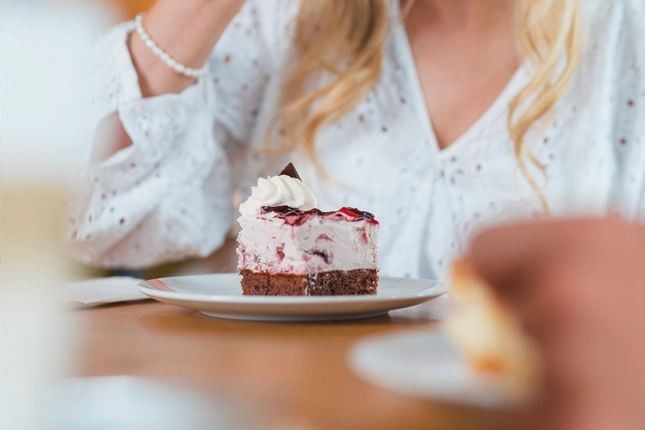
column 356, row 213
column 293, row 216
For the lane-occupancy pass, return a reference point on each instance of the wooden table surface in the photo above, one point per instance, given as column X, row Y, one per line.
column 299, row 368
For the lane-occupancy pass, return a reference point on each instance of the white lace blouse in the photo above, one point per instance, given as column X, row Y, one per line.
column 169, row 196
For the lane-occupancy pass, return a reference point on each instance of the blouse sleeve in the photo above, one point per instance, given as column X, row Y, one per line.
column 629, row 114
column 168, row 196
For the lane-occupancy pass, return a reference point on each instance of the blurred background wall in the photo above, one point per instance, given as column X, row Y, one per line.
column 128, row 9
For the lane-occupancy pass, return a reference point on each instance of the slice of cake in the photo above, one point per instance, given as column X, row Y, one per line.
column 489, row 335
column 287, row 247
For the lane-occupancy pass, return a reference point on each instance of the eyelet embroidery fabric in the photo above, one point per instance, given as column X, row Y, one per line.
column 169, row 195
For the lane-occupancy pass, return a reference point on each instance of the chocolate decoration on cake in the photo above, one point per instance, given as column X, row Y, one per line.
column 291, row 171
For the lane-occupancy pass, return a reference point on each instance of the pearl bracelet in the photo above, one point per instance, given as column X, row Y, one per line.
column 164, row 56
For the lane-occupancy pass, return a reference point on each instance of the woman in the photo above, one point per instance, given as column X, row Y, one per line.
column 439, row 116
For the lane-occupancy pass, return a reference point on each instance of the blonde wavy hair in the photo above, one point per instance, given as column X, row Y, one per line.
column 342, row 44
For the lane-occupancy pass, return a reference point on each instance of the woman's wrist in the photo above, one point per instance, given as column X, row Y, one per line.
column 187, row 30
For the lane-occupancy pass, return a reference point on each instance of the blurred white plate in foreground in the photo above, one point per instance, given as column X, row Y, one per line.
column 424, row 364
column 220, row 295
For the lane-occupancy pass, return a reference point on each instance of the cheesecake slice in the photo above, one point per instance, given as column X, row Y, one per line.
column 287, row 246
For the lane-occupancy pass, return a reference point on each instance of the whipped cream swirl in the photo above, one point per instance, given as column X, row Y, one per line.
column 279, row 190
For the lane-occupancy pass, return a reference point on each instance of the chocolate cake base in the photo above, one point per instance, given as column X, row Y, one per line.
column 332, row 283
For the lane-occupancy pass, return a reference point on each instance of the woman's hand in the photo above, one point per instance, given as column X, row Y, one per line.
column 579, row 289
column 188, row 31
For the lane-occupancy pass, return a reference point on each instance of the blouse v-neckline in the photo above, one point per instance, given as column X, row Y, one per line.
column 498, row 106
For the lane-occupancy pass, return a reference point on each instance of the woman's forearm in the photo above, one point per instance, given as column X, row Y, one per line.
column 187, row 30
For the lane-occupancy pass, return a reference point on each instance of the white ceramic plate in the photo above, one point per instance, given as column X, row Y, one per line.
column 220, row 295
column 424, row 364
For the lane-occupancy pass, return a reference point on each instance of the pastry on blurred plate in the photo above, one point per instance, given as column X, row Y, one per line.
column 489, row 335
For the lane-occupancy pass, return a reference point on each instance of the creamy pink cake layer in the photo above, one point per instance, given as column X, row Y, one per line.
column 307, row 243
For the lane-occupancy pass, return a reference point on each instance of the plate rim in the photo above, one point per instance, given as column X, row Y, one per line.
column 433, row 290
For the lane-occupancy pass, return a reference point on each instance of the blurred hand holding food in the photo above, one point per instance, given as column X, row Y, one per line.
column 489, row 335
column 577, row 289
